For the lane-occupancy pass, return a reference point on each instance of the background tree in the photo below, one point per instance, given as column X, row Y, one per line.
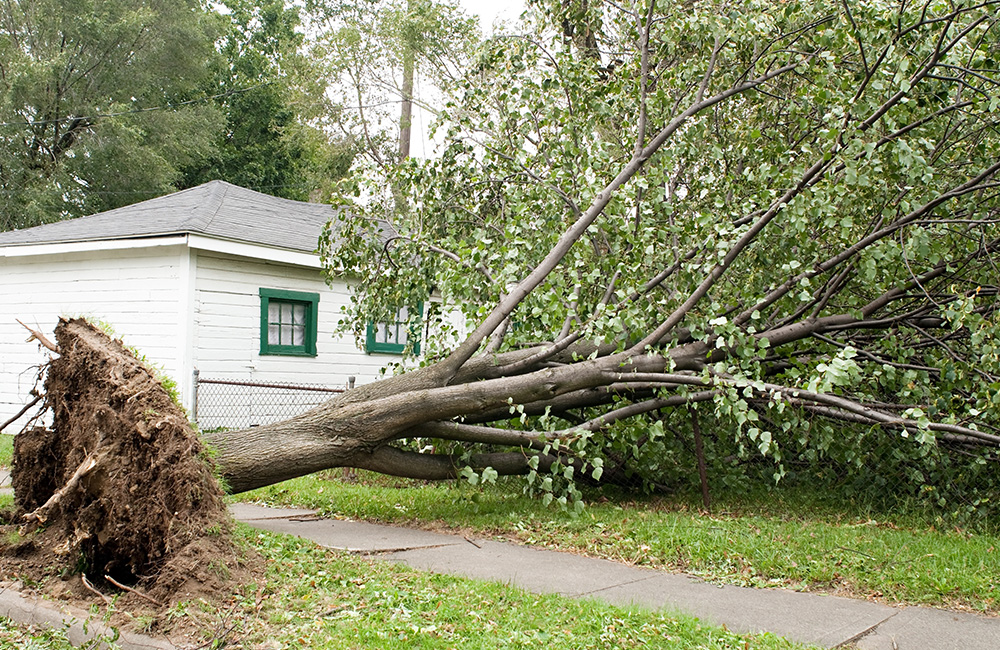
column 79, row 84
column 275, row 108
column 366, row 48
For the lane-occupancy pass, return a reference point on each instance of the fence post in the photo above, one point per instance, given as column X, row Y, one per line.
column 194, row 400
column 350, row 382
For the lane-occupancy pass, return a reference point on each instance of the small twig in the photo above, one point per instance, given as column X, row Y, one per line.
column 854, row 550
column 21, row 412
column 132, row 591
column 86, row 583
column 41, row 338
column 473, row 543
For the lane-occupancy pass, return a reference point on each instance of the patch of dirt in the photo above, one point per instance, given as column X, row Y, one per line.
column 117, row 489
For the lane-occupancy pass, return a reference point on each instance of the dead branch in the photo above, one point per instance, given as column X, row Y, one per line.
column 41, row 338
column 132, row 591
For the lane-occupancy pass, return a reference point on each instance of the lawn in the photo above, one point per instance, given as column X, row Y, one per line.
column 780, row 539
column 311, row 597
column 318, row 598
column 6, row 449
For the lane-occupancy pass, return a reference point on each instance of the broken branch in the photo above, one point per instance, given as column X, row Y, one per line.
column 41, row 338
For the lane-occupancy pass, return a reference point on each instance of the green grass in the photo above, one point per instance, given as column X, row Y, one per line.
column 318, row 598
column 6, row 449
column 784, row 540
column 13, row 637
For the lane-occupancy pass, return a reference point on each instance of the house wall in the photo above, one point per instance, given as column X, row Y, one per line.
column 227, row 335
column 185, row 308
column 136, row 291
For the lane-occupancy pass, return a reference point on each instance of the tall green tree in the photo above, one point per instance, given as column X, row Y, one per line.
column 274, row 139
column 82, row 85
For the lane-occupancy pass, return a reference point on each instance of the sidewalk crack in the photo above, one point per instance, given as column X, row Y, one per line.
column 390, row 551
column 862, row 634
column 620, row 584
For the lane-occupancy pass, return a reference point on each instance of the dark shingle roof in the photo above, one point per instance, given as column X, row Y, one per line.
column 216, row 209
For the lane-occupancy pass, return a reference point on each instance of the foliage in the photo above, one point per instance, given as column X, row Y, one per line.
column 13, row 637
column 368, row 88
column 270, row 96
column 804, row 539
column 80, row 85
column 782, row 217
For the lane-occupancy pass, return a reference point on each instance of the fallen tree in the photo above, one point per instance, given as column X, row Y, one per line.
column 782, row 218
column 784, row 221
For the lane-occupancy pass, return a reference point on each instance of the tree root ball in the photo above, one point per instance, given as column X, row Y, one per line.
column 118, row 484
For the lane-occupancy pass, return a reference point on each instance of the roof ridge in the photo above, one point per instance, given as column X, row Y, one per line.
column 206, row 210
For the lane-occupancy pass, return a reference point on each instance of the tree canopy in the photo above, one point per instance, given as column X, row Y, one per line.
column 80, row 85
column 364, row 47
column 777, row 219
column 274, row 106
column 105, row 103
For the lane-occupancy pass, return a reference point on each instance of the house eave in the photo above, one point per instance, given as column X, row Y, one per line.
column 194, row 241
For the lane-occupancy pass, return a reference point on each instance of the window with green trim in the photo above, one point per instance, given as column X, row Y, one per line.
column 288, row 322
column 393, row 337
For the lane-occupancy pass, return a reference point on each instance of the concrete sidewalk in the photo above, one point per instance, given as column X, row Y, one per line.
column 809, row 618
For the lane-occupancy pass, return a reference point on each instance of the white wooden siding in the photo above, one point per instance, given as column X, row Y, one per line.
column 135, row 291
column 184, row 309
column 227, row 332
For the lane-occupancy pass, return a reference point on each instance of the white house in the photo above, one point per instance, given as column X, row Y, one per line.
column 216, row 279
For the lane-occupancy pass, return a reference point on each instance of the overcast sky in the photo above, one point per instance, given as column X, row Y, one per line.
column 489, row 12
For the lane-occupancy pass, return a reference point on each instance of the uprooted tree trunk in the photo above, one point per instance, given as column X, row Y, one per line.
column 118, row 486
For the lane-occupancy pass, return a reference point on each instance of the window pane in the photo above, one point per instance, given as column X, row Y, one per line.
column 401, row 328
column 286, row 313
column 380, row 332
column 272, row 312
column 273, row 334
column 298, row 335
column 299, row 315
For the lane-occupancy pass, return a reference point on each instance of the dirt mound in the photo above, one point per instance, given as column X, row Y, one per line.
column 118, row 487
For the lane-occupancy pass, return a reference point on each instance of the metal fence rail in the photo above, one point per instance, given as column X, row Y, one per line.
column 230, row 404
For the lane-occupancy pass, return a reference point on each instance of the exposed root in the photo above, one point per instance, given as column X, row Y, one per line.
column 40, row 514
column 119, row 486
column 133, row 591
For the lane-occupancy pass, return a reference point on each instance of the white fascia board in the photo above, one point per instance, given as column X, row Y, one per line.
column 254, row 251
column 199, row 242
column 29, row 250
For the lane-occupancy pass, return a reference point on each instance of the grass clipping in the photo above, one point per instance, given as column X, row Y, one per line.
column 119, row 487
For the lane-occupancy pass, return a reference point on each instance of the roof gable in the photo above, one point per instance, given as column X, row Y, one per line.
column 215, row 209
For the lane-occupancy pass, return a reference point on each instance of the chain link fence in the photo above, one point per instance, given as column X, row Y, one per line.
column 230, row 404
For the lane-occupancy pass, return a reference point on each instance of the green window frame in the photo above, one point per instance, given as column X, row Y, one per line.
column 392, row 337
column 288, row 322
